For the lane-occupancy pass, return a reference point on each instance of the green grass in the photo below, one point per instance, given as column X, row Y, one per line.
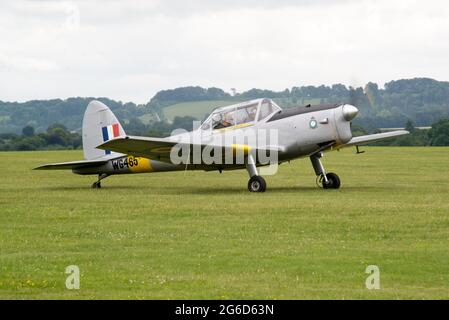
column 196, row 109
column 202, row 235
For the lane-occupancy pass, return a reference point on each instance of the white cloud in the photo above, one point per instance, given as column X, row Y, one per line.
column 131, row 49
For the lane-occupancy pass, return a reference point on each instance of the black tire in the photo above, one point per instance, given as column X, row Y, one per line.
column 96, row 185
column 333, row 181
column 257, row 184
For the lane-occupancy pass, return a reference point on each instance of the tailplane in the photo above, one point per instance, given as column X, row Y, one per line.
column 99, row 125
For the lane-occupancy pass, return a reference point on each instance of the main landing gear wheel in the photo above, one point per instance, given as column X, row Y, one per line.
column 327, row 180
column 257, row 184
column 333, row 181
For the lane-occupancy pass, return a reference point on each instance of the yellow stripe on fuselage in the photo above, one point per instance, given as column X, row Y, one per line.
column 139, row 164
column 241, row 147
column 239, row 126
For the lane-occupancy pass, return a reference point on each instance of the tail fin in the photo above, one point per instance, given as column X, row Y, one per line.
column 99, row 126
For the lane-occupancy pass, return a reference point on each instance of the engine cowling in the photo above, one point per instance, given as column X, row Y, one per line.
column 343, row 117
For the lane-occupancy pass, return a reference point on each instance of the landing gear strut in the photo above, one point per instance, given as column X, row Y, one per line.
column 97, row 184
column 256, row 183
column 327, row 180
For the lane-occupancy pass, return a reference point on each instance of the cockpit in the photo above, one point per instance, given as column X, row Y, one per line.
column 240, row 115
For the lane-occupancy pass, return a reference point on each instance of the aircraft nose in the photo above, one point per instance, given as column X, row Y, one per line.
column 349, row 112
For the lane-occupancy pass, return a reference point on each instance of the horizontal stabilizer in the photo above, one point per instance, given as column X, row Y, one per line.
column 155, row 148
column 72, row 165
column 374, row 137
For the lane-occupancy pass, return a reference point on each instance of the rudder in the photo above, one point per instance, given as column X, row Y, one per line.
column 99, row 126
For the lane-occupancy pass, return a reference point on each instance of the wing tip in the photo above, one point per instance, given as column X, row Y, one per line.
column 43, row 167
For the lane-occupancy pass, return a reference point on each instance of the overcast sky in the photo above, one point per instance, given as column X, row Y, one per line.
column 129, row 50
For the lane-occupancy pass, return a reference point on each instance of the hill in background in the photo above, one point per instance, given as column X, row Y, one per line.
column 421, row 100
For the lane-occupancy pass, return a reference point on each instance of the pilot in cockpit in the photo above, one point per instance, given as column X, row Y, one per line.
column 228, row 120
column 252, row 111
column 223, row 120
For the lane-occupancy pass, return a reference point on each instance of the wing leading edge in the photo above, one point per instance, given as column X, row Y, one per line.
column 160, row 148
column 374, row 137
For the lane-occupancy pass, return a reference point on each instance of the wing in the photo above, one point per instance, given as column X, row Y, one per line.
column 72, row 165
column 160, row 148
column 373, row 137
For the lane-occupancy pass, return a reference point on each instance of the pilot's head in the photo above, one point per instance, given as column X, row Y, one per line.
column 228, row 119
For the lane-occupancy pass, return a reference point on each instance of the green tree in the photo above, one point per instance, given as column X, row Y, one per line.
column 358, row 130
column 28, row 131
column 439, row 134
column 183, row 123
column 57, row 134
column 409, row 126
column 135, row 126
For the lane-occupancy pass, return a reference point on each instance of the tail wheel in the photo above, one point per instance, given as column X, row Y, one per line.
column 96, row 185
column 257, row 184
column 333, row 181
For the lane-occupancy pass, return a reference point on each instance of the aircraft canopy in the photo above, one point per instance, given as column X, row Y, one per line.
column 241, row 114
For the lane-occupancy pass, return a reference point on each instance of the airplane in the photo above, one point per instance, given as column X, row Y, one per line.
column 304, row 131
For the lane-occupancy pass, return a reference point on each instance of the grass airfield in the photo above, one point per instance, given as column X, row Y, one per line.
column 198, row 235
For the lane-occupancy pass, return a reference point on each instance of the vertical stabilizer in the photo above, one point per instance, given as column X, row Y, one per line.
column 99, row 126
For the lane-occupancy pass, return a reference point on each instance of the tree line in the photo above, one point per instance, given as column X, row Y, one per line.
column 57, row 136
column 420, row 101
column 423, row 101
